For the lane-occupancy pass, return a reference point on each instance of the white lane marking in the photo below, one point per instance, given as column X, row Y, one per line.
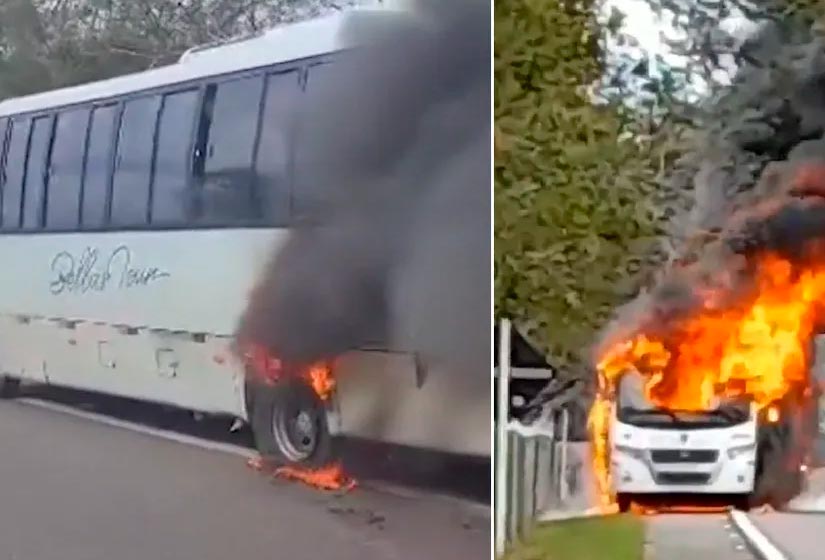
column 146, row 430
column 756, row 538
column 236, row 450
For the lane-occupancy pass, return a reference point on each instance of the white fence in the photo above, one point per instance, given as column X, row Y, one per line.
column 538, row 472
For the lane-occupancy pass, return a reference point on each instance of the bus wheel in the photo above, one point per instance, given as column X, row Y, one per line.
column 9, row 387
column 742, row 502
column 624, row 501
column 290, row 426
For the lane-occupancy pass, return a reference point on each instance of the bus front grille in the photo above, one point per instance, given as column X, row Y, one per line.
column 684, row 455
column 682, row 478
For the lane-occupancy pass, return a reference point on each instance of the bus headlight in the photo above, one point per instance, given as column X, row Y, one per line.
column 740, row 450
column 631, row 451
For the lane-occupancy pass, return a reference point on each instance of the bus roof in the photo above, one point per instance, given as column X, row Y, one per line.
column 281, row 44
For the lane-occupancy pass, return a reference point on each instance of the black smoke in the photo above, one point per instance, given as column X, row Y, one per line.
column 396, row 246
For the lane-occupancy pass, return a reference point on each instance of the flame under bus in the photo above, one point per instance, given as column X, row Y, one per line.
column 132, row 230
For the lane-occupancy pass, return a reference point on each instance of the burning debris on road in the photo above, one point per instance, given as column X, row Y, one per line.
column 330, row 478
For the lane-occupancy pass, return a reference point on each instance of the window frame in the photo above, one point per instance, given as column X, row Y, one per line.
column 6, row 128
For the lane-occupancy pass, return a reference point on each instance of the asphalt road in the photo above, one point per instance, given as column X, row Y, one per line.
column 73, row 489
column 690, row 536
column 797, row 535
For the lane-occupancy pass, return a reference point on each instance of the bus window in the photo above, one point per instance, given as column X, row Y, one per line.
column 98, row 166
column 14, row 172
column 171, row 197
column 34, row 191
column 133, row 162
column 63, row 204
column 310, row 194
column 274, row 147
column 226, row 193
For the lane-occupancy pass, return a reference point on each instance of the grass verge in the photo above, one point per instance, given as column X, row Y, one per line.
column 613, row 537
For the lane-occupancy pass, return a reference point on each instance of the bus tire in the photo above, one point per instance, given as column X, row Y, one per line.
column 289, row 425
column 788, row 487
column 624, row 501
column 9, row 387
column 742, row 502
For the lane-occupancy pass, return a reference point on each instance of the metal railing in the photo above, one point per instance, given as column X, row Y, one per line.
column 531, row 462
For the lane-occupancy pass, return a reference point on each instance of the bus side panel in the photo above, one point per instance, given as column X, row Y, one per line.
column 162, row 334
column 179, row 280
column 382, row 397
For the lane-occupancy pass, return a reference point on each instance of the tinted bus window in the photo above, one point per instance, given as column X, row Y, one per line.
column 63, row 204
column 171, row 197
column 14, row 172
column 312, row 172
column 275, row 147
column 34, row 191
column 98, row 166
column 226, row 195
column 133, row 162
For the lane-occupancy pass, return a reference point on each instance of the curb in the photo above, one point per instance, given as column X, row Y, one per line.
column 561, row 515
column 756, row 541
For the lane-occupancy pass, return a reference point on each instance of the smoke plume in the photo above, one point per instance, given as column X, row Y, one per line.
column 755, row 178
column 395, row 248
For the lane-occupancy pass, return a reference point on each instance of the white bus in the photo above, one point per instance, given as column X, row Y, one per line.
column 137, row 213
column 734, row 452
column 664, row 452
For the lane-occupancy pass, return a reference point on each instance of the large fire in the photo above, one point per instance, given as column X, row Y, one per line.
column 757, row 347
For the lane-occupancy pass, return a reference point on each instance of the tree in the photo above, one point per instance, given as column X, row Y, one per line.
column 577, row 209
column 46, row 44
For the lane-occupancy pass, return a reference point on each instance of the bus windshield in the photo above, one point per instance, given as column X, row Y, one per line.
column 635, row 409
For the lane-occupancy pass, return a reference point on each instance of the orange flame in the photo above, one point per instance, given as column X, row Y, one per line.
column 270, row 369
column 322, row 381
column 758, row 349
column 330, row 477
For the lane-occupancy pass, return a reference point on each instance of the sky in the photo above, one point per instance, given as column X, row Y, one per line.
column 647, row 29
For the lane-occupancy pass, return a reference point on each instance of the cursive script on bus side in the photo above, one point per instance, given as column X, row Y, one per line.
column 96, row 272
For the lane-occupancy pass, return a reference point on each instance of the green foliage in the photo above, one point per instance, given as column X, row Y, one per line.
column 45, row 44
column 575, row 199
column 618, row 537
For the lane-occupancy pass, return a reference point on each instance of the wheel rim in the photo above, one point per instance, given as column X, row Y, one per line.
column 296, row 432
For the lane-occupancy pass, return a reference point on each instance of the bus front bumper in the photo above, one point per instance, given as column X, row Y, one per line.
column 634, row 472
